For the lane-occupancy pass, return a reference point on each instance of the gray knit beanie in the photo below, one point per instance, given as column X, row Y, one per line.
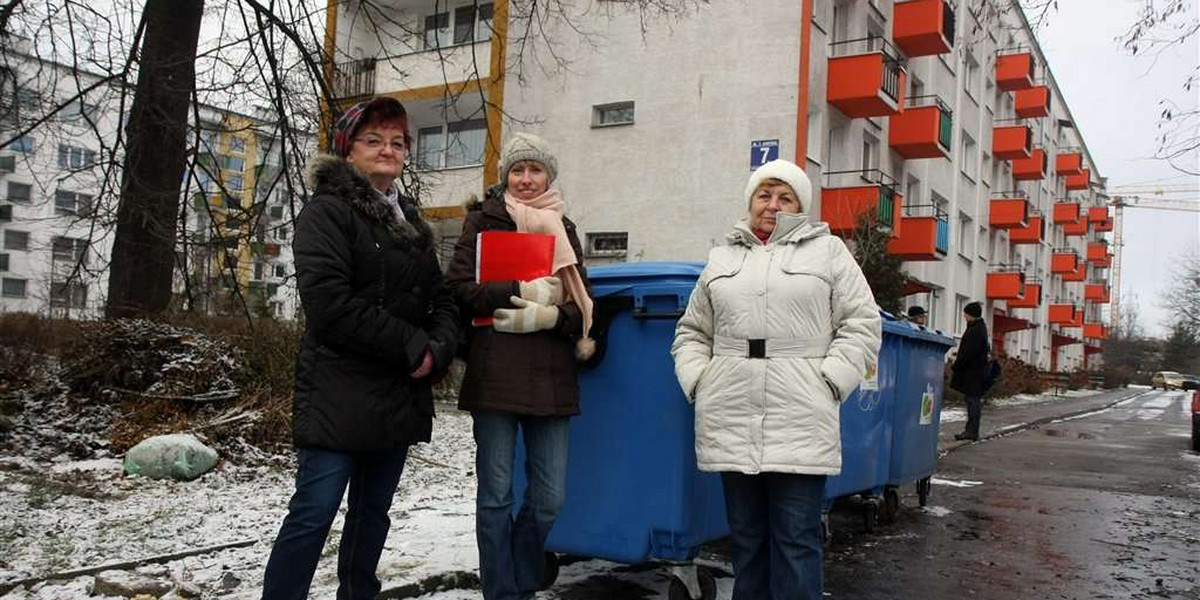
column 526, row 146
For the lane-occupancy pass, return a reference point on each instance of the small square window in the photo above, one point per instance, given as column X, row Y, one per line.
column 3, row 262
column 276, row 212
column 16, row 240
column 280, row 271
column 437, row 30
column 237, row 145
column 6, row 213
column 608, row 115
column 19, row 193
column 13, row 288
column 612, row 243
column 23, row 144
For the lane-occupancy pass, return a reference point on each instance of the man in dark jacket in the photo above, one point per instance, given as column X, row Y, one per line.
column 380, row 325
column 970, row 368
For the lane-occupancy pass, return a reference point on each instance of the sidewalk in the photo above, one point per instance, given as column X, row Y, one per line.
column 999, row 421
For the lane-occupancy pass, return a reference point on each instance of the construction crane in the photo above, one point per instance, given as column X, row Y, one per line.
column 1121, row 201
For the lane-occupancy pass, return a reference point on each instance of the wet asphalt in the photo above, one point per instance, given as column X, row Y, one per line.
column 1105, row 505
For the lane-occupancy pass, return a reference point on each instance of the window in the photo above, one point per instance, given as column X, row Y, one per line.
column 280, row 271
column 234, row 184
column 72, row 203
column 23, row 144
column 233, row 163
column 78, row 112
column 932, row 311
column 6, row 213
column 19, row 193
column 259, row 268
column 282, row 233
column 912, row 195
column 276, row 212
column 984, row 241
column 272, row 289
column 237, row 145
column 74, row 157
column 987, row 172
column 969, row 157
column 437, row 30
column 13, row 288
column 28, row 100
column 617, row 113
column 68, row 295
column 67, row 249
column 971, row 75
column 965, row 228
column 870, row 152
column 614, row 243
column 3, row 262
column 16, row 240
column 464, row 24
column 458, row 144
column 960, row 303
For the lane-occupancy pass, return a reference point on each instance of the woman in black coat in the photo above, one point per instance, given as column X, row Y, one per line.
column 970, row 368
column 380, row 324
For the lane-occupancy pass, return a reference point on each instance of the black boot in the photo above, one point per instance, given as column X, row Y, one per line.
column 966, row 436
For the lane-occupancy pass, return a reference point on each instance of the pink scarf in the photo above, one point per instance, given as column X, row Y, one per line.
column 544, row 215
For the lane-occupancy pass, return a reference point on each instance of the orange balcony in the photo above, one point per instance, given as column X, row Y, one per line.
column 924, row 130
column 1061, row 313
column 867, row 84
column 1097, row 251
column 1068, row 163
column 1009, row 211
column 1080, row 181
column 1006, row 283
column 1079, row 274
column 1066, row 212
column 1104, row 263
column 1033, row 234
column 1097, row 293
column 924, row 234
column 1077, row 228
column 1063, row 260
column 1078, row 320
column 1014, row 71
column 852, row 197
column 1033, row 102
column 1099, row 219
column 1032, row 168
column 1095, row 331
column 923, row 27
column 1033, row 295
column 1012, row 142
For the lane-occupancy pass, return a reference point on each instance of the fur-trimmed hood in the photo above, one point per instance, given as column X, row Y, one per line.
column 329, row 175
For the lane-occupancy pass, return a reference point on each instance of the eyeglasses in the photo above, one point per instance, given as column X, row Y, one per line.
column 375, row 143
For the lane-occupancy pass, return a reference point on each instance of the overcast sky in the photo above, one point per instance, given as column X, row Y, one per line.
column 1114, row 99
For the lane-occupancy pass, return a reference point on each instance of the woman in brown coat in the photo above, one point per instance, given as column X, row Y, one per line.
column 522, row 369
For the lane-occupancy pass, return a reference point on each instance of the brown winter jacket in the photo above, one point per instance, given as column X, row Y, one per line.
column 528, row 374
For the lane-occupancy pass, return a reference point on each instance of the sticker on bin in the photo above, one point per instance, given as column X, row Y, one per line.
column 927, row 405
column 870, row 379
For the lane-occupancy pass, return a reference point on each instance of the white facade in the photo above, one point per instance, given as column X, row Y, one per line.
column 653, row 122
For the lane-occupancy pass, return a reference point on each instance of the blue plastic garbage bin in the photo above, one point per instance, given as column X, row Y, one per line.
column 917, row 408
column 634, row 493
column 866, row 429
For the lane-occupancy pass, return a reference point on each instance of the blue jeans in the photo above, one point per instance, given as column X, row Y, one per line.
column 775, row 529
column 321, row 480
column 511, row 550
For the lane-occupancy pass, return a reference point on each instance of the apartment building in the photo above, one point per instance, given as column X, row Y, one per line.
column 939, row 119
column 59, row 189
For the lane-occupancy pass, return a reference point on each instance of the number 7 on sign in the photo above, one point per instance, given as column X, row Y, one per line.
column 766, row 155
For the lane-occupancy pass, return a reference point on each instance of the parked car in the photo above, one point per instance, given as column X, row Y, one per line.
column 1167, row 380
column 1190, row 382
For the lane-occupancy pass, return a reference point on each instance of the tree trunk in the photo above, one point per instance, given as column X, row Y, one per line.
column 143, row 255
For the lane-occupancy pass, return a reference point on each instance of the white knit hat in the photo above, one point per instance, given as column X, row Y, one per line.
column 787, row 172
column 526, row 146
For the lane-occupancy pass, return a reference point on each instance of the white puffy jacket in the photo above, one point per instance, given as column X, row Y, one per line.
column 804, row 302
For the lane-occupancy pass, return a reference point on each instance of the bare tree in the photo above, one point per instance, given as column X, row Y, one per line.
column 1182, row 297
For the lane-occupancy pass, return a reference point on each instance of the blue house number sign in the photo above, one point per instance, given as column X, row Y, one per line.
column 763, row 152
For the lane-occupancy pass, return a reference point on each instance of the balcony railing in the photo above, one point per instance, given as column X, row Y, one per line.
column 354, row 79
column 892, row 61
column 861, row 192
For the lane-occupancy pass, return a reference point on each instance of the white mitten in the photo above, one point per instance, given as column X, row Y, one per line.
column 547, row 291
column 528, row 317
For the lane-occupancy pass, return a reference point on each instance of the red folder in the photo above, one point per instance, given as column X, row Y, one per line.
column 511, row 256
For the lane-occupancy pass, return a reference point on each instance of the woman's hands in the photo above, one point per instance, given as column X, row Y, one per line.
column 426, row 366
column 547, row 291
column 528, row 317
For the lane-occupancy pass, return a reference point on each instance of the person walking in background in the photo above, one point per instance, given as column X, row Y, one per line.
column 522, row 371
column 779, row 330
column 917, row 315
column 379, row 326
column 970, row 368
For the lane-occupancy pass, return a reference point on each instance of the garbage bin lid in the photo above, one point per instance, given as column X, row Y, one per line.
column 894, row 326
column 621, row 278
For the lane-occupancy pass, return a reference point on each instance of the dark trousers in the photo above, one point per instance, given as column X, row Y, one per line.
column 775, row 529
column 974, row 415
column 322, row 477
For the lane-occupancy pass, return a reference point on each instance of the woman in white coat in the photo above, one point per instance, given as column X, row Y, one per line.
column 780, row 329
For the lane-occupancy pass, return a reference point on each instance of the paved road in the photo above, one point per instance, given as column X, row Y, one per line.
column 1104, row 505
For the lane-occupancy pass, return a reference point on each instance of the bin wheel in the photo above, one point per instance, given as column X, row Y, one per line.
column 891, row 506
column 923, row 487
column 708, row 586
column 549, row 570
column 870, row 515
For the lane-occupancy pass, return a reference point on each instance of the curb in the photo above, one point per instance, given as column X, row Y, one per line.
column 1019, row 427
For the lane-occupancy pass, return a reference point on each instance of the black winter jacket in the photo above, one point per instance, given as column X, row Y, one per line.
column 373, row 301
column 970, row 366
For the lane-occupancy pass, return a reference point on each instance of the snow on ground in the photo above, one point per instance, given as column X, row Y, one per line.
column 953, row 415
